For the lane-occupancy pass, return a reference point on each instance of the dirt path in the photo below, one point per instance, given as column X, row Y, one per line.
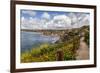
column 83, row 51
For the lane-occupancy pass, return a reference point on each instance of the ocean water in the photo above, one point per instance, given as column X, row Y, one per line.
column 35, row 39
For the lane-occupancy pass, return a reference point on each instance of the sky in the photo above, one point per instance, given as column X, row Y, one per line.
column 54, row 20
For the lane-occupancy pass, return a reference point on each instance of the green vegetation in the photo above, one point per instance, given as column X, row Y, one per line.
column 68, row 43
column 87, row 37
column 86, row 30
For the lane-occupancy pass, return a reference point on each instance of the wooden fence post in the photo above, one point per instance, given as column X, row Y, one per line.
column 59, row 55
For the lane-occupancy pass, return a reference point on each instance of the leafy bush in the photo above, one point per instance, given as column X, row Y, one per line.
column 47, row 52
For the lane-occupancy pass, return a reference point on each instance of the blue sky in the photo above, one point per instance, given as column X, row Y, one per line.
column 39, row 13
column 37, row 19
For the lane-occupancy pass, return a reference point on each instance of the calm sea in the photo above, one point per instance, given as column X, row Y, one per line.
column 35, row 39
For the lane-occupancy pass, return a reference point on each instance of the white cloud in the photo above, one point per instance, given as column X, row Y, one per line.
column 57, row 22
column 45, row 15
column 84, row 19
column 79, row 19
column 62, row 20
column 29, row 12
column 25, row 23
column 32, row 23
column 73, row 17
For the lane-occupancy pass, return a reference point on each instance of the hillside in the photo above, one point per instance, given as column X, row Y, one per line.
column 67, row 44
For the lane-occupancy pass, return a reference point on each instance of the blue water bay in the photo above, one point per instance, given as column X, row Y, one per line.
column 35, row 39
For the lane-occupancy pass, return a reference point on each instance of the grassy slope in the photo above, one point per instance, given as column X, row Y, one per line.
column 47, row 52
